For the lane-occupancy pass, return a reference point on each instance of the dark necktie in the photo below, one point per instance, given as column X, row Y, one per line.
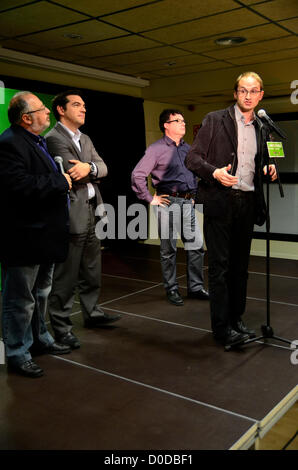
column 43, row 146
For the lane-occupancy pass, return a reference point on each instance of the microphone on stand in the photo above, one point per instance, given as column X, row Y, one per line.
column 263, row 115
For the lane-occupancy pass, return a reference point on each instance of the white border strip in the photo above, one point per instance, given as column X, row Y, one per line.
column 157, row 389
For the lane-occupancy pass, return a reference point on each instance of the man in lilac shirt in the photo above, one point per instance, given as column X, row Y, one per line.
column 175, row 189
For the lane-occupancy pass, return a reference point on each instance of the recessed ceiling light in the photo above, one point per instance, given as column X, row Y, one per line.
column 73, row 36
column 229, row 41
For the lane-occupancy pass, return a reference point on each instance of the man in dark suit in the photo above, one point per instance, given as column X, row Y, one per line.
column 82, row 269
column 228, row 155
column 34, row 232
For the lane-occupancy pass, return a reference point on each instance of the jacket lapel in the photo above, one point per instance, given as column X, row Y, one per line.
column 65, row 134
column 36, row 148
column 231, row 127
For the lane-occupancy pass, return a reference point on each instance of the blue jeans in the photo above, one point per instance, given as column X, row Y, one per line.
column 25, row 291
column 180, row 218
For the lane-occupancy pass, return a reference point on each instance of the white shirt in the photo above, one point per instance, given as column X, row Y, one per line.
column 75, row 137
column 246, row 152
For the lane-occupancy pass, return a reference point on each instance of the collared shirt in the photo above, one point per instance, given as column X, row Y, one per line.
column 75, row 137
column 246, row 152
column 41, row 143
column 164, row 160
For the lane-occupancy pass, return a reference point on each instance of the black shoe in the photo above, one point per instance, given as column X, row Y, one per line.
column 28, row 369
column 242, row 328
column 174, row 297
column 54, row 348
column 69, row 339
column 101, row 320
column 234, row 337
column 201, row 294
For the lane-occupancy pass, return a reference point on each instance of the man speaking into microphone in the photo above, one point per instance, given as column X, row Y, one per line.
column 228, row 154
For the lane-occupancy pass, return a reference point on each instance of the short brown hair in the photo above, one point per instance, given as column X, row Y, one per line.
column 248, row 74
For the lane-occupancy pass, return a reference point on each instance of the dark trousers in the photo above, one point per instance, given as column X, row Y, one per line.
column 82, row 272
column 228, row 239
column 180, row 218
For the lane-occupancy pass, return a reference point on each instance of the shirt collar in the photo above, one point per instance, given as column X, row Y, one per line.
column 240, row 117
column 74, row 135
column 169, row 141
column 36, row 138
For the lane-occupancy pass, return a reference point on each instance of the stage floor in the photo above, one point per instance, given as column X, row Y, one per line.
column 156, row 380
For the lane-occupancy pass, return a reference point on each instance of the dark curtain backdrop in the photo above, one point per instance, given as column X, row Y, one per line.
column 115, row 123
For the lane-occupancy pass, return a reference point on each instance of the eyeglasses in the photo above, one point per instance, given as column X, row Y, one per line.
column 176, row 120
column 36, row 110
column 244, row 91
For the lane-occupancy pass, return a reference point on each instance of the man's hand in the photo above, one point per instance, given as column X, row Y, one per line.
column 79, row 170
column 222, row 175
column 272, row 172
column 68, row 179
column 160, row 200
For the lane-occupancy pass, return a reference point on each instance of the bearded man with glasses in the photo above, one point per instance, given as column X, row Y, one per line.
column 34, row 233
column 228, row 154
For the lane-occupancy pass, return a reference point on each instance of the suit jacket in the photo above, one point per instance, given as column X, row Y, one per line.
column 33, row 202
column 215, row 146
column 60, row 143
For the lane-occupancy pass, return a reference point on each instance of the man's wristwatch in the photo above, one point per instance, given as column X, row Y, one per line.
column 92, row 169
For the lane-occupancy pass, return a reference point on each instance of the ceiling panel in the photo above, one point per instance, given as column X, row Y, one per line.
column 256, row 34
column 266, row 57
column 102, row 7
column 20, row 46
column 35, row 17
column 165, row 52
column 7, row 4
column 278, row 9
column 91, row 30
column 114, row 46
column 163, row 63
column 256, row 48
column 172, row 71
column 219, row 24
column 252, row 2
column 292, row 25
column 66, row 55
column 168, row 12
column 161, row 40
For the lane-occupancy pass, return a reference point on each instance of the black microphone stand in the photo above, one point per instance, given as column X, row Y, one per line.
column 267, row 330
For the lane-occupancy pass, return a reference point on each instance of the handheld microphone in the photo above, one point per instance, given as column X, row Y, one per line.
column 59, row 161
column 263, row 115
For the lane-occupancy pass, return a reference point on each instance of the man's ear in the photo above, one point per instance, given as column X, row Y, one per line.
column 60, row 110
column 27, row 119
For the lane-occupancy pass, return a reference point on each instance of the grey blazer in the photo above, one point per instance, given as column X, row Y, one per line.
column 59, row 142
